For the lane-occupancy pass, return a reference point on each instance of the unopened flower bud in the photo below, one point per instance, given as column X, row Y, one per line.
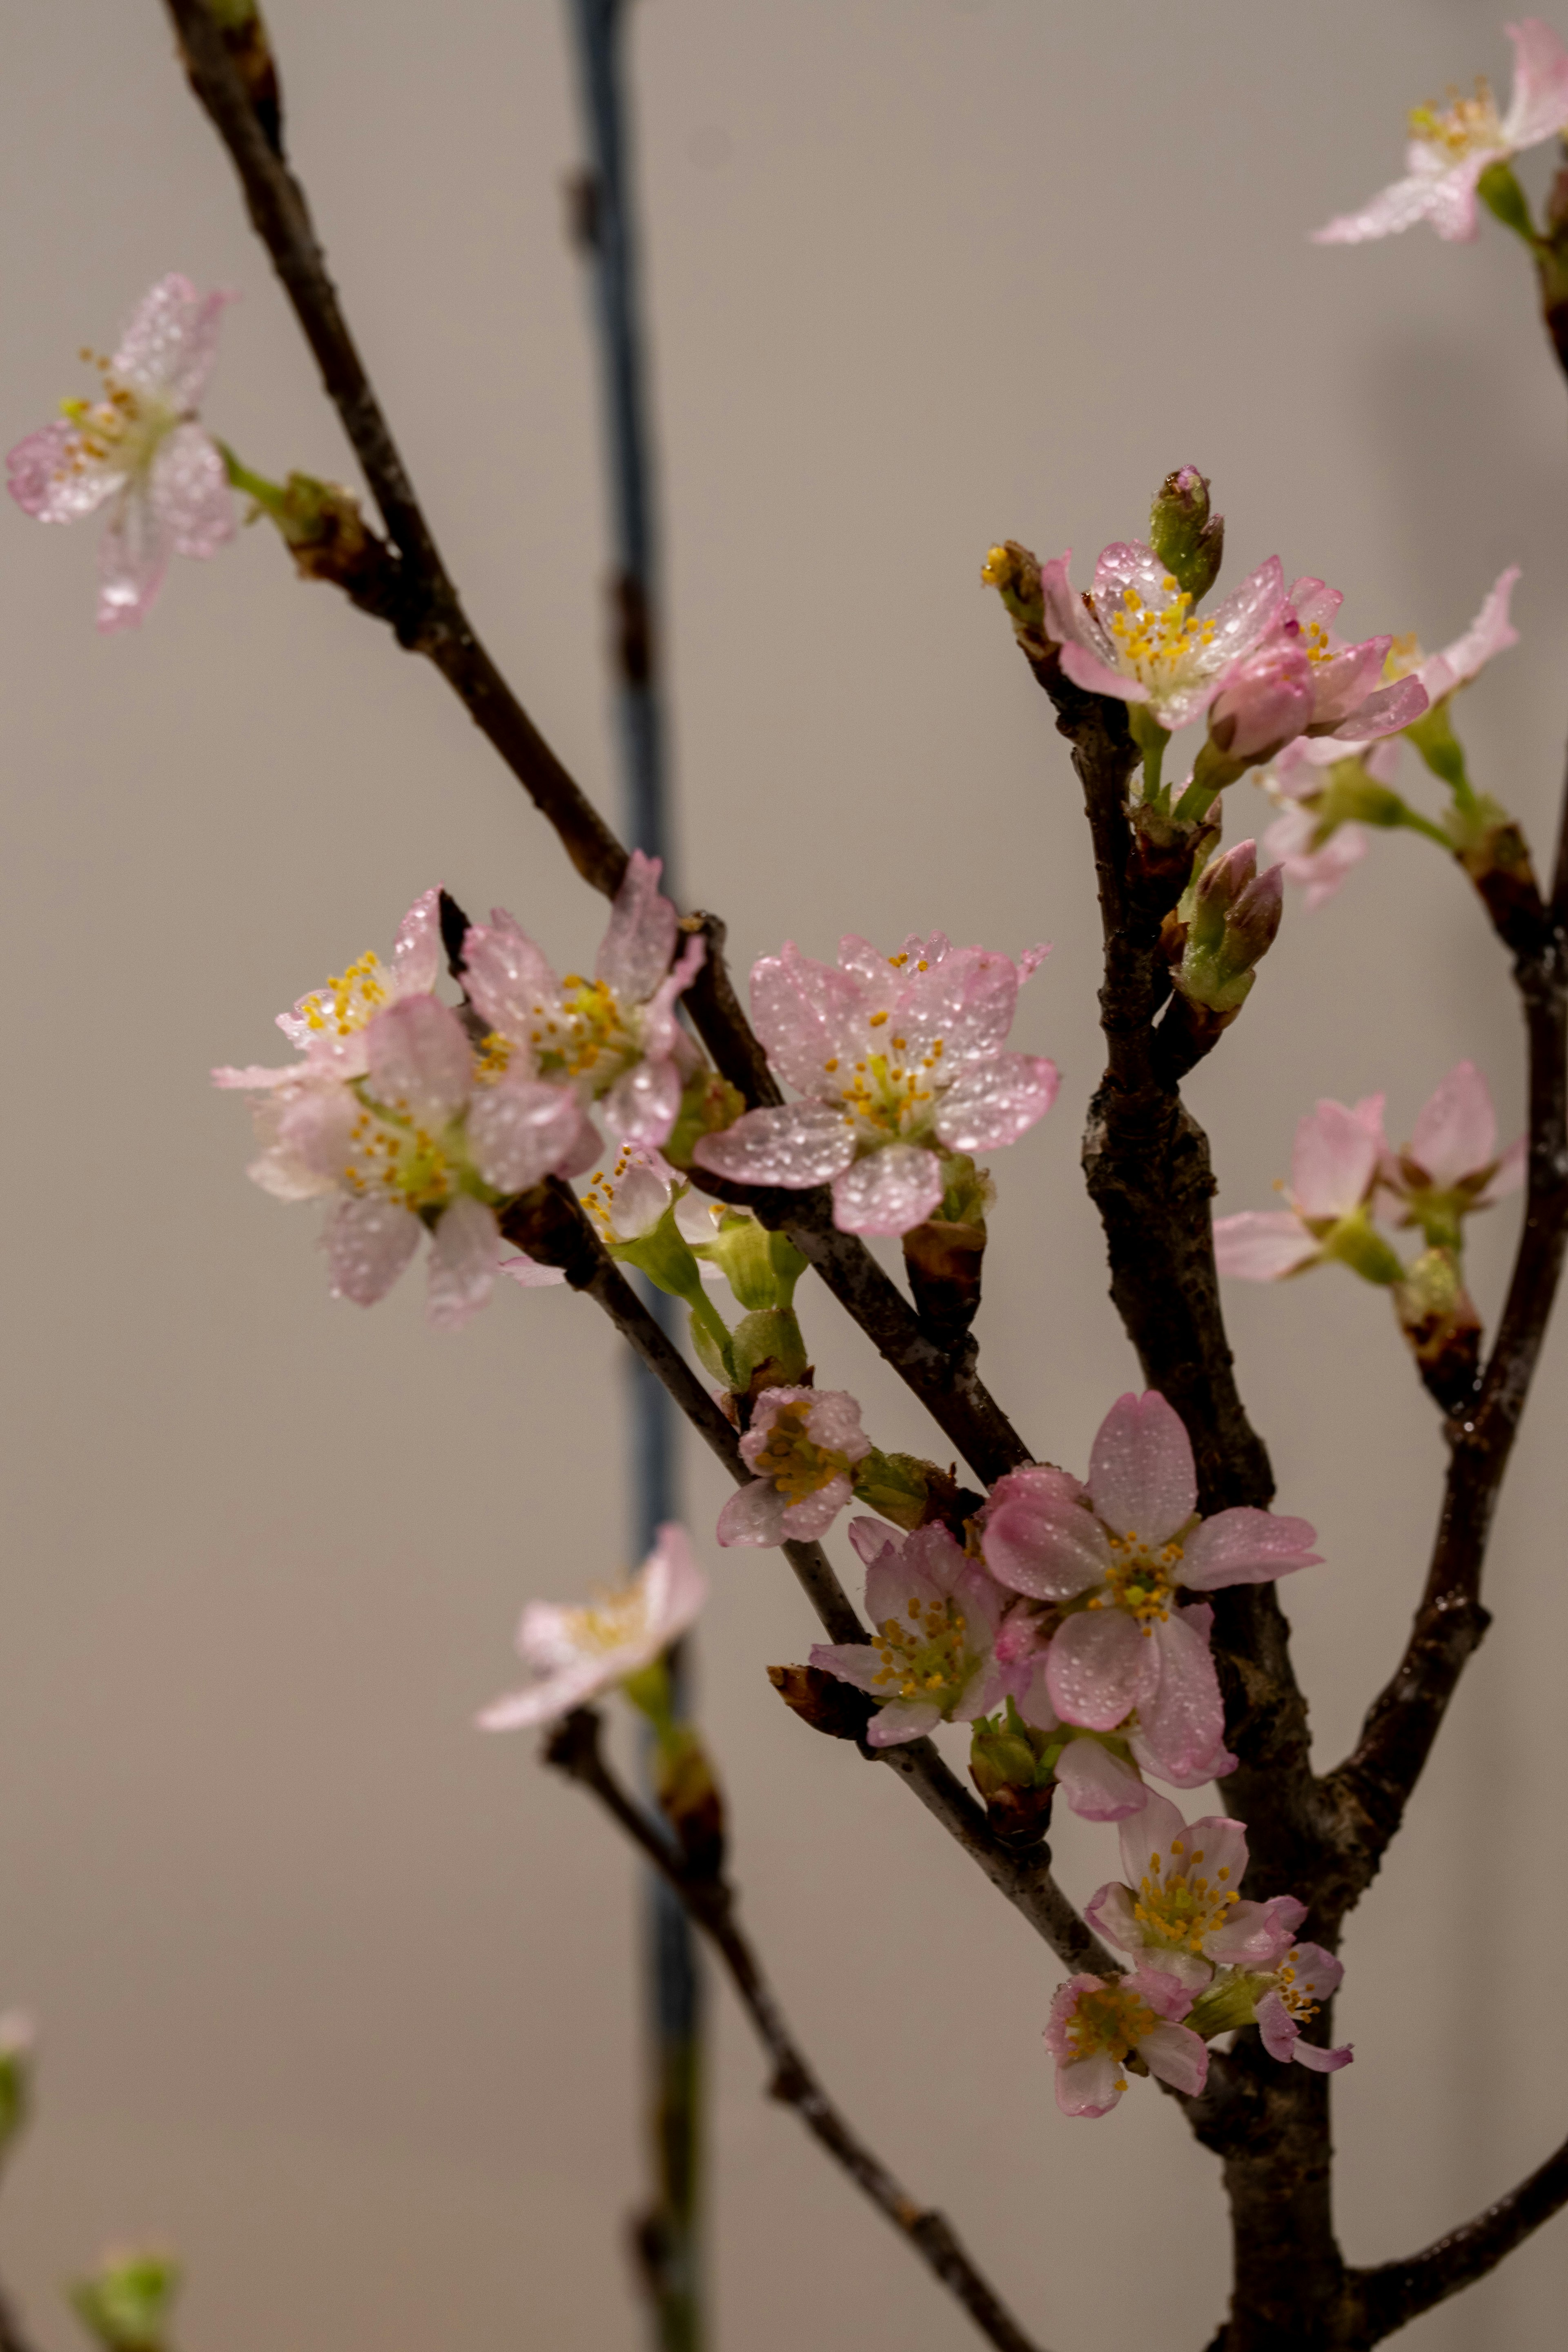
column 829, row 1705
column 1233, row 918
column 1438, row 1318
column 1184, row 533
column 1008, row 1765
column 127, row 2303
column 942, row 1256
column 1015, row 574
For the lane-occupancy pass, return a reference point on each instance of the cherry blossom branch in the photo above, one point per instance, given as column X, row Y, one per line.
column 1394, row 2294
column 710, row 1902
column 408, row 585
column 548, row 1225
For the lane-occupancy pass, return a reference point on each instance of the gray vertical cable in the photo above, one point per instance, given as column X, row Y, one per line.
column 669, row 2234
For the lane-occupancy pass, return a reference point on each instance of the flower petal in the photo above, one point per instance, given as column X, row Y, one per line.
column 996, row 1102
column 901, row 1719
column 1089, row 2086
column 1261, row 1244
column 1335, row 1158
column 464, row 1251
column 1182, row 1721
column 859, row 1662
column 421, row 1065
column 635, row 952
column 190, row 489
column 964, row 1003
column 508, row 978
column 132, row 557
column 52, row 481
column 812, row 1516
column 888, row 1192
column 169, row 342
column 521, row 1130
column 1539, row 105
column 1141, row 1473
column 754, row 1514
column 1178, row 2056
column 1098, row 1786
column 807, row 1014
column 1099, row 1667
column 1051, row 1549
column 1490, row 633
column 1097, row 677
column 795, row 1145
column 416, row 951
column 673, row 1584
column 643, row 1105
column 1388, row 214
column 369, row 1242
column 1246, row 1546
column 1455, row 1128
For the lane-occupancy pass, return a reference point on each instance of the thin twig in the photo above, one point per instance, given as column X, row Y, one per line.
column 711, row 1902
column 1396, row 2293
column 420, row 599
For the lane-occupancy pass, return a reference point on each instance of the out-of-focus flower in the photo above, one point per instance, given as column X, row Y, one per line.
column 1110, row 1557
column 803, row 1445
column 932, row 1655
column 1135, row 634
column 1338, row 1155
column 1181, row 1909
column 901, row 1064
column 138, row 449
column 575, row 1654
column 1451, row 147
column 616, row 1037
column 1451, row 1165
column 1098, row 2022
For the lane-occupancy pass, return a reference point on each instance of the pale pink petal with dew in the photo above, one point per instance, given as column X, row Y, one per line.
column 674, row 1586
column 1266, row 701
column 317, row 1126
column 1247, row 615
column 1452, row 209
column 1383, row 713
column 507, row 980
column 1261, row 1244
column 661, row 1032
column 754, row 1514
column 859, row 1662
column 832, row 1422
column 1346, row 678
column 1098, row 1786
column 416, row 951
column 1031, row 959
column 1539, row 105
column 369, row 1241
column 1244, row 1545
column 521, row 1130
column 285, row 1177
column 1319, row 1974
column 1141, row 1473
column 1215, row 1847
column 982, row 1694
column 635, row 952
column 420, row 1062
column 1146, row 1841
column 643, row 1105
column 966, row 1001
column 1110, row 1912
column 1089, row 2086
column 1034, row 1482
column 1508, row 1174
column 49, row 481
column 641, row 1198
column 1064, row 2006
column 808, row 1014
column 872, row 1539
column 793, row 1145
column 1026, row 1670
column 189, row 487
column 548, row 1637
column 892, row 1582
column 256, row 1075
column 1491, row 632
column 464, row 1249
column 1166, row 1995
column 1050, row 1550
column 864, row 962
column 1178, row 2056
column 1099, row 1667
column 1317, row 872
column 980, row 1598
column 1335, row 1158
column 587, row 1149
column 814, row 1514
column 901, row 1719
column 997, row 1103
column 528, row 1274
column 1256, row 1935
column 888, row 1192
column 1314, row 603
column 1131, row 563
column 1455, row 1134
column 1389, row 214
column 132, row 557
column 169, row 342
column 1181, row 1721
column 1096, row 676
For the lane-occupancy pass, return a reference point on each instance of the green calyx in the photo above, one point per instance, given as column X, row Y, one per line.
column 1231, row 2000
column 1354, row 1241
column 1005, row 1752
column 126, row 2305
column 1500, row 191
column 896, row 1486
column 761, row 1267
column 765, row 1349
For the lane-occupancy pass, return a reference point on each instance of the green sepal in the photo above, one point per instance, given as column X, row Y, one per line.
column 896, row 1486
column 1231, row 2000
column 1500, row 191
column 712, row 1353
column 768, row 1339
column 1433, row 736
column 761, row 1267
column 1355, row 1242
column 709, row 1104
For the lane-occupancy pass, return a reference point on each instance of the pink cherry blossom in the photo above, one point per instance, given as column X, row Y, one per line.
column 573, row 1655
column 1451, row 1164
column 1101, row 1774
column 1181, row 1908
column 1096, row 2022
column 1351, row 698
column 803, row 1445
column 1338, row 1155
column 1111, row 1561
column 1135, row 636
column 1449, row 149
column 615, row 1038
column 1296, row 1991
column 139, row 450
column 935, row 1612
column 900, row 1060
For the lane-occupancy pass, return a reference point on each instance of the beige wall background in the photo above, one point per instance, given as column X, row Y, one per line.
column 335, row 1994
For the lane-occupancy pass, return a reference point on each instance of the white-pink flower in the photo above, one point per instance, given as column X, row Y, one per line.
column 803, row 1445
column 1135, row 635
column 1296, row 1991
column 1452, row 146
column 934, row 1614
column 616, row 1037
column 1111, row 1558
column 1451, row 1164
column 1102, row 1773
column 1351, row 699
column 1338, row 1155
column 575, row 1654
column 1098, row 2022
column 138, row 449
column 1180, row 1909
column 901, row 1061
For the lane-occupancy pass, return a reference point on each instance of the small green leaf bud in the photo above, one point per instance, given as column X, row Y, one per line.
column 126, row 2304
column 1184, row 533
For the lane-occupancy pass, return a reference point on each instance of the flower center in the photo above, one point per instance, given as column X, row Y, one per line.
column 1176, row 1904
column 1139, row 1581
column 1163, row 645
column 1466, row 126
column 887, row 1095
column 1112, row 2019
column 924, row 1654
column 796, row 1466
column 350, row 999
column 122, row 428
column 398, row 1158
column 1296, row 1995
column 584, row 1035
